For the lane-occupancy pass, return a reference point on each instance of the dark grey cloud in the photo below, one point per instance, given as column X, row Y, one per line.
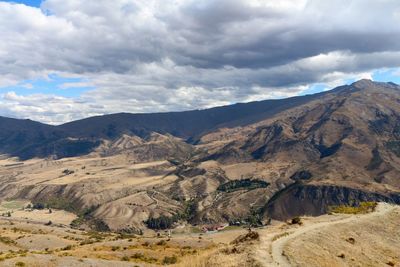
column 143, row 56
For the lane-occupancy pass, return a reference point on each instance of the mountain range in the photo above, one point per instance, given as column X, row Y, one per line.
column 252, row 161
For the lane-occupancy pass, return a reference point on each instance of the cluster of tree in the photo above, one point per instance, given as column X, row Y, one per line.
column 161, row 223
column 39, row 206
column 253, row 219
column 248, row 184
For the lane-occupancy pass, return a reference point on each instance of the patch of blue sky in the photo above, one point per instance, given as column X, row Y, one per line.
column 315, row 88
column 387, row 75
column 53, row 85
column 381, row 75
column 34, row 3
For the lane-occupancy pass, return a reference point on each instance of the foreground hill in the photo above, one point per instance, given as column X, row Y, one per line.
column 337, row 239
column 250, row 162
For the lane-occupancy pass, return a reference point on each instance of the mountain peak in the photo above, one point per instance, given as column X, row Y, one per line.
column 363, row 83
column 367, row 83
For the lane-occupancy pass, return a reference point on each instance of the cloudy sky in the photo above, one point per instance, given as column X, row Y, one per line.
column 62, row 60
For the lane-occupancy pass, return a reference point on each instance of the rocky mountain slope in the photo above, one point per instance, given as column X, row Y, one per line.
column 27, row 139
column 242, row 163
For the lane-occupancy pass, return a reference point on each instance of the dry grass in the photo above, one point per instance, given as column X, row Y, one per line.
column 364, row 241
column 364, row 207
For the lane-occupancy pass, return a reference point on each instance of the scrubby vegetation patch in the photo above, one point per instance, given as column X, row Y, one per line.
column 248, row 184
column 362, row 208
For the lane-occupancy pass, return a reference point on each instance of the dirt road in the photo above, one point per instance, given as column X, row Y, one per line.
column 271, row 249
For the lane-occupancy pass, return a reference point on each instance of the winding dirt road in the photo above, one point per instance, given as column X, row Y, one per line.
column 271, row 249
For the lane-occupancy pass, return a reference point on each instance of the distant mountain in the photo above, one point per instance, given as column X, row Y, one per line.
column 188, row 125
column 26, row 138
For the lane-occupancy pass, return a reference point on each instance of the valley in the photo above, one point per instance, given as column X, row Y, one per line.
column 134, row 181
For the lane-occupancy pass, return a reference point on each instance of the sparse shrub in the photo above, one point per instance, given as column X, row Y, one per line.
column 20, row 264
column 69, row 247
column 87, row 242
column 7, row 240
column 115, row 248
column 391, row 263
column 250, row 236
column 351, row 240
column 170, row 260
column 125, row 258
column 161, row 243
column 296, row 220
column 138, row 255
column 68, row 172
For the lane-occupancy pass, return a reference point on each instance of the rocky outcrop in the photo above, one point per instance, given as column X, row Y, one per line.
column 300, row 199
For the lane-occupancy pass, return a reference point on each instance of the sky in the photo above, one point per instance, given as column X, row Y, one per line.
column 66, row 60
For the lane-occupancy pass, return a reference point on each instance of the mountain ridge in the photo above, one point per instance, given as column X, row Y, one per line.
column 189, row 125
